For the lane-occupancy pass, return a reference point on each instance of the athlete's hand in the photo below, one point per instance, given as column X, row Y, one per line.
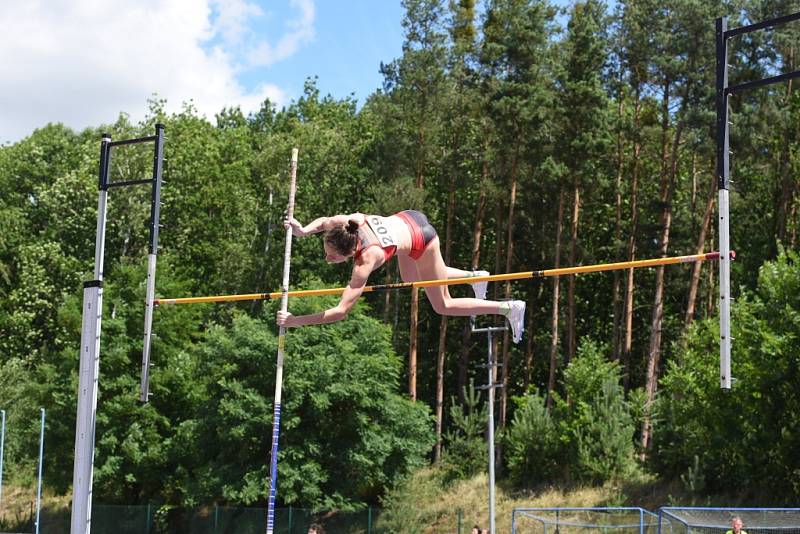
column 286, row 319
column 294, row 224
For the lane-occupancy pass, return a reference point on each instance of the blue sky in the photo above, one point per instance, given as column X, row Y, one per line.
column 82, row 62
column 351, row 39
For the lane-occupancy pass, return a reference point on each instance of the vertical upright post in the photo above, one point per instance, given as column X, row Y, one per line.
column 723, row 184
column 90, row 364
column 155, row 215
column 276, row 418
column 39, row 484
column 2, row 448
column 490, row 369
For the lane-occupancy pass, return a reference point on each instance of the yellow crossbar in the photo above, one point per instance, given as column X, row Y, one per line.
column 453, row 281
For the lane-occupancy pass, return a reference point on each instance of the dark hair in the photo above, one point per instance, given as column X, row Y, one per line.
column 316, row 527
column 343, row 238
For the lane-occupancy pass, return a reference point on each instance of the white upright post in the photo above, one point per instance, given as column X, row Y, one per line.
column 276, row 418
column 39, row 485
column 723, row 185
column 2, row 446
column 724, row 291
column 90, row 366
column 155, row 216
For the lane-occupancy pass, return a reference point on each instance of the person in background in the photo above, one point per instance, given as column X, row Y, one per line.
column 736, row 526
column 316, row 528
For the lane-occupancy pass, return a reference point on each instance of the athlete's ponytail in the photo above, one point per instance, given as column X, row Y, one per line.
column 343, row 238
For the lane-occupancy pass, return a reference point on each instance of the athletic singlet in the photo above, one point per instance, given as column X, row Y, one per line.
column 374, row 232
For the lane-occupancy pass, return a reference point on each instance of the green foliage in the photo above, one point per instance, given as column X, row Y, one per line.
column 588, row 438
column 466, row 451
column 759, row 417
column 481, row 97
column 534, row 443
column 601, row 426
column 346, row 434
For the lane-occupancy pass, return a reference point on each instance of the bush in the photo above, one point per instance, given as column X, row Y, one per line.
column 533, row 444
column 588, row 436
column 599, row 420
column 747, row 437
column 466, row 451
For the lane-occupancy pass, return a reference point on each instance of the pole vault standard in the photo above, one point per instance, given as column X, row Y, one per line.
column 723, row 173
column 454, row 281
column 89, row 372
column 276, row 417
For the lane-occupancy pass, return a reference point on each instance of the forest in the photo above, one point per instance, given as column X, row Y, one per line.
column 533, row 137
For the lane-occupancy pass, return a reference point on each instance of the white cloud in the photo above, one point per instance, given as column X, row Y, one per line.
column 299, row 31
column 81, row 62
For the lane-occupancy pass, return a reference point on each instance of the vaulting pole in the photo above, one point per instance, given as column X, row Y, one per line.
column 276, row 418
column 583, row 269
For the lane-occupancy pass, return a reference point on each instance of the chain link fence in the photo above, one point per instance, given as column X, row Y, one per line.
column 152, row 519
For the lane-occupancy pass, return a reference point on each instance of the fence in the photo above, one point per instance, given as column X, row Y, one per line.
column 605, row 520
column 152, row 519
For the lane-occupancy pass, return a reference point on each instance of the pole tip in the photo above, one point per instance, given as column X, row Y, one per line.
column 294, row 154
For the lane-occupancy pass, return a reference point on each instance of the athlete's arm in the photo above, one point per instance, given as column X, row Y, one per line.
column 351, row 293
column 317, row 225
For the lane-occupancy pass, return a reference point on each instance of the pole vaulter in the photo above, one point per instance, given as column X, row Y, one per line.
column 284, row 296
column 583, row 269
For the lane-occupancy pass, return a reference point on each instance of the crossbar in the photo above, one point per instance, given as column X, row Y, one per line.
column 762, row 25
column 453, row 281
column 765, row 81
column 133, row 141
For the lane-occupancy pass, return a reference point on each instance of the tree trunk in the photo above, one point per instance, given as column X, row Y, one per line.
column 668, row 177
column 466, row 334
column 512, row 201
column 551, row 381
column 701, row 242
column 616, row 304
column 576, row 212
column 412, row 345
column 529, row 347
column 627, row 309
column 442, row 352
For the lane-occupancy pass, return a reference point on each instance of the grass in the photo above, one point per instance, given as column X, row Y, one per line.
column 426, row 504
column 18, row 507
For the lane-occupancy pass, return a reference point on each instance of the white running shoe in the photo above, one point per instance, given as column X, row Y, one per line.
column 516, row 318
column 480, row 287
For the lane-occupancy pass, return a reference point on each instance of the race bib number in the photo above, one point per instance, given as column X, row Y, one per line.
column 378, row 225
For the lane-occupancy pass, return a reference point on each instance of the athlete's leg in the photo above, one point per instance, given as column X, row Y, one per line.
column 453, row 272
column 408, row 269
column 479, row 288
column 430, row 266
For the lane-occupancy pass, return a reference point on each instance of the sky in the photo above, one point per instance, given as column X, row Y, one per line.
column 83, row 62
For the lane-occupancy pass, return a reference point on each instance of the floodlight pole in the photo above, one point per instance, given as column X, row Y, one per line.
column 491, row 366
